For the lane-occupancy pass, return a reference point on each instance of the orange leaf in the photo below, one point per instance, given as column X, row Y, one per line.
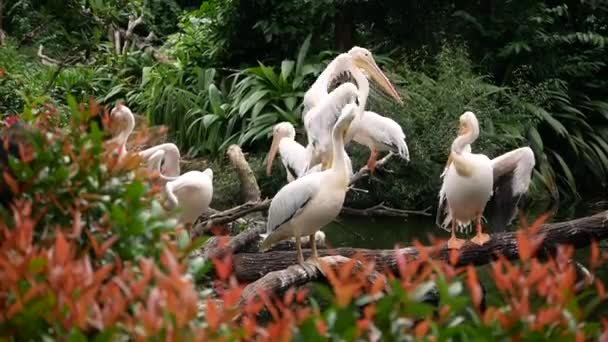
column 595, row 255
column 421, row 329
column 601, row 290
column 378, row 285
column 454, row 256
column 62, row 249
column 223, row 267
column 10, row 182
column 523, row 244
column 301, row 295
column 211, row 314
column 474, row 287
column 107, row 244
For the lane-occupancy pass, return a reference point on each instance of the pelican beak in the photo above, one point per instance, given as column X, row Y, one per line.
column 373, row 70
column 271, row 154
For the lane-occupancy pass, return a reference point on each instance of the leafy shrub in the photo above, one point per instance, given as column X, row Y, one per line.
column 22, row 80
column 207, row 113
column 264, row 97
column 87, row 250
column 561, row 47
column 532, row 300
column 435, row 97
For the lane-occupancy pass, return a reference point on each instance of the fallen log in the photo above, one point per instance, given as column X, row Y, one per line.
column 579, row 233
column 297, row 275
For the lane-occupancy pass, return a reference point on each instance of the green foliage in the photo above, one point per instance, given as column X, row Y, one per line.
column 206, row 35
column 206, row 114
column 23, row 79
column 563, row 49
column 112, row 198
column 265, row 97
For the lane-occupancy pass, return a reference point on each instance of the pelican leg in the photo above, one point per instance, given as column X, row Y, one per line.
column 454, row 242
column 313, row 245
column 299, row 249
column 481, row 237
column 371, row 162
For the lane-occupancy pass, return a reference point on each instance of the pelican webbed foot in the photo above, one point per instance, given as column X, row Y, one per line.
column 480, row 238
column 455, row 243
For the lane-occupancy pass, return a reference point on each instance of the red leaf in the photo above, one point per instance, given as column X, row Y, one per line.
column 62, row 249
column 301, row 295
column 211, row 314
column 474, row 287
column 523, row 244
column 595, row 255
column 421, row 329
column 10, row 182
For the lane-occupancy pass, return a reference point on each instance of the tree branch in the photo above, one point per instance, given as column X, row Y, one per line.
column 364, row 171
column 382, row 210
column 579, row 233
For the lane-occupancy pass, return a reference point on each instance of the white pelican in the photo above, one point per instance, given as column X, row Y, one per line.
column 307, row 204
column 191, row 192
column 122, row 124
column 470, row 179
column 342, row 80
column 294, row 156
column 379, row 134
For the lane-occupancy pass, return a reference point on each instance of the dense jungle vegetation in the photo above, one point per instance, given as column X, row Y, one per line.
column 226, row 71
column 220, row 72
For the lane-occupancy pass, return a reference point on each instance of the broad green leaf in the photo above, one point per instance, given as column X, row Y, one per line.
column 215, row 100
column 302, row 54
column 286, row 68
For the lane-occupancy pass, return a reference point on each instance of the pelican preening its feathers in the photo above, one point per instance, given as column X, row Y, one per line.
column 122, row 124
column 379, row 134
column 470, row 179
column 294, row 156
column 191, row 192
column 307, row 204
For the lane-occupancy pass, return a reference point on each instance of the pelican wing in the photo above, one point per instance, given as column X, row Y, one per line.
column 294, row 157
column 321, row 119
column 382, row 131
column 512, row 175
column 443, row 217
column 291, row 199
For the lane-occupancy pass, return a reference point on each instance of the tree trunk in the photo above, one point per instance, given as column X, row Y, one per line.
column 344, row 28
column 250, row 191
column 579, row 233
column 1, row 22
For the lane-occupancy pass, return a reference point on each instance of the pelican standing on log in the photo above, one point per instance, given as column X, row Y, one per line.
column 341, row 81
column 122, row 124
column 470, row 179
column 307, row 204
column 294, row 156
column 379, row 134
column 191, row 192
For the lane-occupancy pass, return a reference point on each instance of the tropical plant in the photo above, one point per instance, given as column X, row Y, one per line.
column 561, row 48
column 264, row 97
